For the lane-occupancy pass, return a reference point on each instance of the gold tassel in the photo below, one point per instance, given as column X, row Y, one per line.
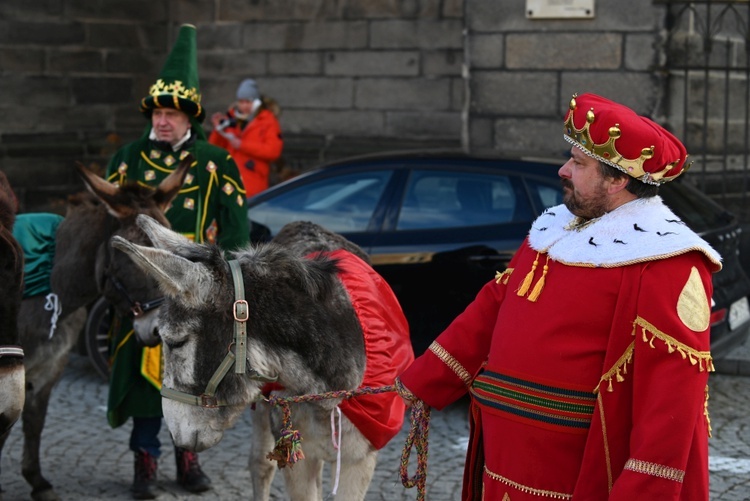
column 540, row 284
column 524, row 288
column 705, row 412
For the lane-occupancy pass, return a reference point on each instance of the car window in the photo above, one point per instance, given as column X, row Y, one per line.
column 441, row 199
column 547, row 194
column 342, row 203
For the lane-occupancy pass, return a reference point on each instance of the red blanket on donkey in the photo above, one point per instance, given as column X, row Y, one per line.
column 387, row 346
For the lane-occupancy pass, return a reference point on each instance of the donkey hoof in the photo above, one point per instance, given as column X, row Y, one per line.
column 47, row 494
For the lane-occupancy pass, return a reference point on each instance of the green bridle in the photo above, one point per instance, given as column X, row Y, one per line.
column 241, row 313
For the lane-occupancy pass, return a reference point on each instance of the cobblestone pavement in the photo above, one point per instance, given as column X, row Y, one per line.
column 85, row 460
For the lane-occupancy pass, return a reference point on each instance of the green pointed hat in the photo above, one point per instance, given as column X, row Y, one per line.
column 177, row 86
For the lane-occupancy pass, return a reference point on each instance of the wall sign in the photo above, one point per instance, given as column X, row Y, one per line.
column 560, row 9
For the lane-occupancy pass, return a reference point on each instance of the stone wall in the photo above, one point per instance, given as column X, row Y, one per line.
column 523, row 71
column 351, row 76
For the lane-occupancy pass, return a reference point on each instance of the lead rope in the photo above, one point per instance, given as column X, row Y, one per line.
column 336, row 439
column 288, row 448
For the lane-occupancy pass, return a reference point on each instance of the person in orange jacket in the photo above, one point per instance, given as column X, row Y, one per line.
column 250, row 131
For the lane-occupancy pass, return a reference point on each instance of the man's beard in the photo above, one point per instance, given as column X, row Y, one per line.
column 593, row 207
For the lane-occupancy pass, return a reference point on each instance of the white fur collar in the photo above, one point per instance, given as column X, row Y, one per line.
column 642, row 230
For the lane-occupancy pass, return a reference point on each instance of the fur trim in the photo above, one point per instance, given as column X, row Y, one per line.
column 642, row 230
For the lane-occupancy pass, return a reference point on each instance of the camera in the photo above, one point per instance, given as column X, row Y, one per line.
column 225, row 122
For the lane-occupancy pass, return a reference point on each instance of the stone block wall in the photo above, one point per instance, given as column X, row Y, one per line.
column 522, row 72
column 351, row 76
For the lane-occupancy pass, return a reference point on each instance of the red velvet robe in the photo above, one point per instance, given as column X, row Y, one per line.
column 588, row 383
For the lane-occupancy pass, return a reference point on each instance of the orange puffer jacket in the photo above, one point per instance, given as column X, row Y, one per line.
column 260, row 145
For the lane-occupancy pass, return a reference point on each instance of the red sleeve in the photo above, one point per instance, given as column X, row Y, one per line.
column 444, row 372
column 669, row 437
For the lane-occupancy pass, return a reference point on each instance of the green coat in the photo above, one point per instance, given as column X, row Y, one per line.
column 210, row 208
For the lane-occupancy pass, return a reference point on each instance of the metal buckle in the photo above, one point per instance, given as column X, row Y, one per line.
column 208, row 401
column 137, row 310
column 241, row 310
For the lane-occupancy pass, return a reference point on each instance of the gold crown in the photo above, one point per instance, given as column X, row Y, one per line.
column 175, row 89
column 607, row 152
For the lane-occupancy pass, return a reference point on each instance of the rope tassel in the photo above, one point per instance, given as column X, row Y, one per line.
column 540, row 283
column 288, row 448
column 524, row 288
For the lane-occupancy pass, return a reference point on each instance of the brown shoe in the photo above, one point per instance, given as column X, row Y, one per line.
column 189, row 473
column 145, row 476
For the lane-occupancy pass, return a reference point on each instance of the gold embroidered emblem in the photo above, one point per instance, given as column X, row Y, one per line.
column 189, row 179
column 692, row 305
column 240, row 200
column 228, row 188
column 169, row 160
column 122, row 168
column 154, row 154
column 210, row 167
column 212, row 232
column 189, row 203
column 183, row 154
column 149, row 175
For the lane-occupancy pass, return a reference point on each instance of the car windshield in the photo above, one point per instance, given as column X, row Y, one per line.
column 343, row 204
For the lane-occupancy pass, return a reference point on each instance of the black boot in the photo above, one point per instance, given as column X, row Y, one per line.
column 189, row 473
column 145, row 476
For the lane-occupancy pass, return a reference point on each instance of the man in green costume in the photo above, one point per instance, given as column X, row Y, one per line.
column 209, row 208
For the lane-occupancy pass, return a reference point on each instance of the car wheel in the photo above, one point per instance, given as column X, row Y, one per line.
column 97, row 336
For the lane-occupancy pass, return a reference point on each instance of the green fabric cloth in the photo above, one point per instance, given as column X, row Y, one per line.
column 209, row 208
column 35, row 232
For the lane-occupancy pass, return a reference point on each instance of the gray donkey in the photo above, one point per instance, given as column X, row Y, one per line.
column 303, row 311
column 84, row 266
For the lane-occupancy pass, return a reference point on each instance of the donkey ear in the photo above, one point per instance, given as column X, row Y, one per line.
column 104, row 191
column 179, row 278
column 171, row 185
column 161, row 236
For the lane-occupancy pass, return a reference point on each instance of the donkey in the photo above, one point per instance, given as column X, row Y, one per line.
column 11, row 282
column 315, row 318
column 83, row 267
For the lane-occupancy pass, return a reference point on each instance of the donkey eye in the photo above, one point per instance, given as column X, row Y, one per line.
column 173, row 345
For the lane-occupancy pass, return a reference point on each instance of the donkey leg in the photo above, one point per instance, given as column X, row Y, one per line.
column 262, row 470
column 34, row 416
column 303, row 481
column 355, row 477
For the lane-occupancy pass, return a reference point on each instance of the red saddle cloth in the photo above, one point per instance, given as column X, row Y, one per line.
column 387, row 347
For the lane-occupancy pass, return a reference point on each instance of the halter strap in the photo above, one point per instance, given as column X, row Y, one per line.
column 241, row 313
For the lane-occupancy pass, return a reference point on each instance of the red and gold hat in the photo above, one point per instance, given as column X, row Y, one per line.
column 616, row 135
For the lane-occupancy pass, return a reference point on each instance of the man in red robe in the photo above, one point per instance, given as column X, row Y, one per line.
column 587, row 359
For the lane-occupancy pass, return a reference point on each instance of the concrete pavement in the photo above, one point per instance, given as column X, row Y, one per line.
column 86, row 460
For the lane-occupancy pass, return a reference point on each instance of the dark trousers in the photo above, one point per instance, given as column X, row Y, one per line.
column 145, row 435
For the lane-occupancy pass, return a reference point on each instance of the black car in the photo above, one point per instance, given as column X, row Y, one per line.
column 438, row 226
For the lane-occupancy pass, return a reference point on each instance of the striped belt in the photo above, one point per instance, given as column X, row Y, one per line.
column 549, row 406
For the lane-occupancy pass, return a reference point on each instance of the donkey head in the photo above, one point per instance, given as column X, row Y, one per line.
column 118, row 280
column 196, row 329
column 290, row 300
